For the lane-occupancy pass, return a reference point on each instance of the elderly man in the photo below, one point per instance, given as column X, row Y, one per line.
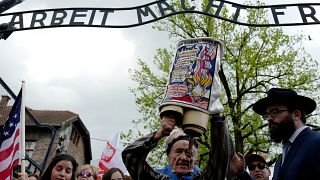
column 167, row 145
column 286, row 112
column 258, row 167
column 180, row 156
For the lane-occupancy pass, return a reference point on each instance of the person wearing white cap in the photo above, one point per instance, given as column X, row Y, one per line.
column 181, row 153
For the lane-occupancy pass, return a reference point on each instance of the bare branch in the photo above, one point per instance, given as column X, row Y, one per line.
column 253, row 131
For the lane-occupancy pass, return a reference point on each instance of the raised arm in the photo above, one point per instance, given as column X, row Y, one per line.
column 221, row 149
column 134, row 156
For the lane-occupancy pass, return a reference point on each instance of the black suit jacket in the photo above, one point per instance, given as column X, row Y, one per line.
column 303, row 159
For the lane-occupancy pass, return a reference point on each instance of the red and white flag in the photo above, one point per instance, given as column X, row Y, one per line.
column 10, row 140
column 111, row 156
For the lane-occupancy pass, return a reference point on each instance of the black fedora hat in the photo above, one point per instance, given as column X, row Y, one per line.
column 286, row 97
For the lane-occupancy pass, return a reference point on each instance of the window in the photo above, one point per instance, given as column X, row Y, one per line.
column 77, row 141
column 75, row 136
column 72, row 134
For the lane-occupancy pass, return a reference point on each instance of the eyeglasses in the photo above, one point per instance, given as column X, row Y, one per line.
column 261, row 166
column 273, row 113
column 85, row 174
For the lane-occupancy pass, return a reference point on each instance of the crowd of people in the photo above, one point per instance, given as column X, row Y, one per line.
column 63, row 167
column 283, row 109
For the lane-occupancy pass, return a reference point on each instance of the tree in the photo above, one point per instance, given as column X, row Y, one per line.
column 256, row 59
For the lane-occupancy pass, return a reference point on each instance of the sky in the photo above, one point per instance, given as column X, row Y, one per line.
column 85, row 70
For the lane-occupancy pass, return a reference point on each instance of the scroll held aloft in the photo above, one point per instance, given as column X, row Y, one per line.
column 193, row 89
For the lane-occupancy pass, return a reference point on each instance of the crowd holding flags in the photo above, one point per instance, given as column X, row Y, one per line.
column 12, row 139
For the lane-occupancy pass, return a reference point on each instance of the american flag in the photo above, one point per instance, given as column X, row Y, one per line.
column 10, row 140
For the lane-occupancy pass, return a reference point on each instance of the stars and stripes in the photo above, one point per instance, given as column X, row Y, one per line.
column 10, row 141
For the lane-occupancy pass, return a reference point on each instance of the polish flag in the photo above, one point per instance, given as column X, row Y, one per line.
column 111, row 156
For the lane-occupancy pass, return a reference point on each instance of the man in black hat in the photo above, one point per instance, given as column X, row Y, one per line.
column 286, row 112
column 258, row 167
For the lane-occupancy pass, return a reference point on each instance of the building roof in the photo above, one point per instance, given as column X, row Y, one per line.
column 54, row 118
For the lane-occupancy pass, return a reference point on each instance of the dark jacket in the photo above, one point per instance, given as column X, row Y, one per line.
column 302, row 160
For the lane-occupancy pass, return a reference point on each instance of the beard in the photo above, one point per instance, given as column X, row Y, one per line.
column 283, row 130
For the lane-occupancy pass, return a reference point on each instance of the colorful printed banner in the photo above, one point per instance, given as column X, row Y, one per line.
column 194, row 70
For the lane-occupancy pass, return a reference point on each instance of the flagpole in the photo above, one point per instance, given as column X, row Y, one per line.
column 23, row 144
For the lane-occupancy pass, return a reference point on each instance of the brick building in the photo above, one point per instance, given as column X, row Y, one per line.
column 71, row 136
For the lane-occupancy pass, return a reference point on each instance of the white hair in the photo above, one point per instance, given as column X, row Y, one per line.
column 174, row 134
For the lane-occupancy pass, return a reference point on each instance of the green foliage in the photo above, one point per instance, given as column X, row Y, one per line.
column 256, row 59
